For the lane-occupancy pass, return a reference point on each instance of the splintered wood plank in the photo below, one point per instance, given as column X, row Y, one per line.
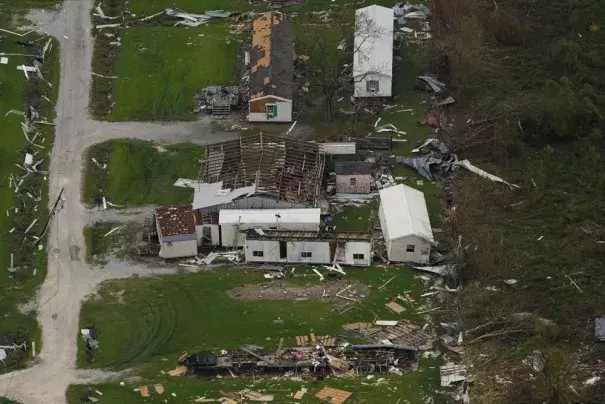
column 397, row 308
column 299, row 394
column 179, row 370
column 304, row 339
column 158, row 388
column 298, row 343
column 144, row 391
column 313, row 338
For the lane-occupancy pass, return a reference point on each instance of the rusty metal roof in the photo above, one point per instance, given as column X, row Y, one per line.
column 175, row 220
column 272, row 56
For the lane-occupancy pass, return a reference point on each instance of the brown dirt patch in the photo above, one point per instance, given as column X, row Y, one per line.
column 280, row 290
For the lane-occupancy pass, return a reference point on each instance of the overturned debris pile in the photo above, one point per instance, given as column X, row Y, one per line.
column 437, row 160
column 195, row 20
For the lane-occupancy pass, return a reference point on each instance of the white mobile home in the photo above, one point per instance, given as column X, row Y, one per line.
column 235, row 222
column 309, row 247
column 373, row 52
column 405, row 224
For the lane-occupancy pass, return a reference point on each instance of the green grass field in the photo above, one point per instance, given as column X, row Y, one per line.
column 149, row 322
column 146, row 319
column 19, row 287
column 159, row 69
column 138, row 174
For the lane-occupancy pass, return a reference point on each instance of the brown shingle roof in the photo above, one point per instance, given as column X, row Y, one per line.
column 175, row 220
column 272, row 56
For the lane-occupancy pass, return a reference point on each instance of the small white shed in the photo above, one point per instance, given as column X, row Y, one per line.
column 234, row 222
column 405, row 224
column 373, row 52
column 176, row 231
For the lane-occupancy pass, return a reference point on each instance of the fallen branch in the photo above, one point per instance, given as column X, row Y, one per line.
column 106, row 77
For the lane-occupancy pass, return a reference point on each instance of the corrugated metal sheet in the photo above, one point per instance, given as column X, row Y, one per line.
column 405, row 213
column 262, row 216
column 337, row 148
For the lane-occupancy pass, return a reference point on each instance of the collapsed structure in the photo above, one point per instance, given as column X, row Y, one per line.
column 390, row 349
column 263, row 171
column 272, row 69
column 176, row 231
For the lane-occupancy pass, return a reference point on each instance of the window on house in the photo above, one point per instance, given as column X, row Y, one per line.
column 358, row 256
column 372, row 86
column 271, row 110
column 258, row 253
column 273, row 227
column 410, row 248
column 305, row 254
column 424, row 251
column 353, row 181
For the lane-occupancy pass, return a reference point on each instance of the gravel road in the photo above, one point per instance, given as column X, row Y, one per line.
column 69, row 279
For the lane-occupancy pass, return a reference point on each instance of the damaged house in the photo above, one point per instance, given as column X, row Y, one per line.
column 373, row 52
column 353, row 177
column 272, row 69
column 405, row 224
column 234, row 222
column 309, row 247
column 259, row 172
column 175, row 226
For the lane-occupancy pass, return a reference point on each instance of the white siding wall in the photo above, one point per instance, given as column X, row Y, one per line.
column 320, row 252
column 229, row 231
column 397, row 251
column 384, row 86
column 177, row 249
column 284, row 113
column 356, row 247
column 214, row 234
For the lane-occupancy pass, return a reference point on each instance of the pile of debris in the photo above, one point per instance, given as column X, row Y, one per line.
column 89, row 335
column 195, row 20
column 217, row 100
column 414, row 15
column 437, row 160
column 389, row 349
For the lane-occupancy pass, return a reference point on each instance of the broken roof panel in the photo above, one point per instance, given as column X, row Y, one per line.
column 175, row 220
column 284, row 168
column 599, row 329
column 307, row 235
column 262, row 216
column 352, row 167
column 272, row 56
column 213, row 194
column 405, row 213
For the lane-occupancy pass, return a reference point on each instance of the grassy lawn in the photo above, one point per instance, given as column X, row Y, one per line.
column 19, row 286
column 121, row 242
column 151, row 321
column 159, row 69
column 138, row 173
column 143, row 320
column 353, row 218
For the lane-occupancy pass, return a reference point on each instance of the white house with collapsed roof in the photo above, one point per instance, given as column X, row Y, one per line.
column 405, row 224
column 175, row 226
column 373, row 52
column 235, row 222
column 308, row 247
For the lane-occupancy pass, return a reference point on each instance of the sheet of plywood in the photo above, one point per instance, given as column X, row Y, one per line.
column 397, row 308
column 336, row 396
column 158, row 388
column 144, row 390
column 179, row 370
column 299, row 394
